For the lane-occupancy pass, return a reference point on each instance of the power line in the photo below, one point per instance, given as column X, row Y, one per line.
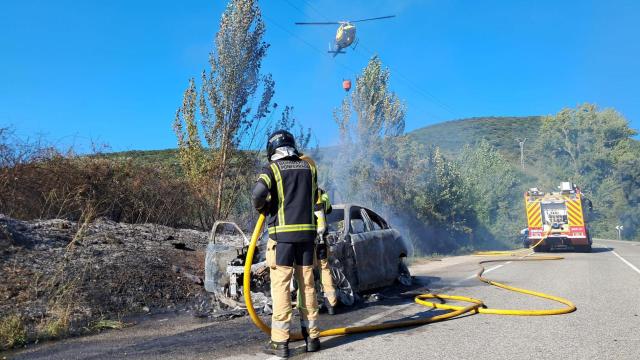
column 430, row 97
column 415, row 87
column 314, row 9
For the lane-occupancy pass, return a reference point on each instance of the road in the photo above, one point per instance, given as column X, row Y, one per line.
column 604, row 285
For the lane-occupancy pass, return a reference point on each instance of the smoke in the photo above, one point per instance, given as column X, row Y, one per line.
column 354, row 174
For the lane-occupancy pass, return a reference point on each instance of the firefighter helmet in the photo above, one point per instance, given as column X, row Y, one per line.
column 279, row 139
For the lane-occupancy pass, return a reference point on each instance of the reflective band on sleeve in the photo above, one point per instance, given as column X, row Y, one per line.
column 276, row 173
column 292, row 228
column 266, row 180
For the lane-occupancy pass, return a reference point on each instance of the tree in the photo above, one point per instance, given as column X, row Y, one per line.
column 191, row 152
column 379, row 115
column 379, row 112
column 288, row 122
column 581, row 141
column 227, row 119
column 494, row 191
column 414, row 186
column 595, row 149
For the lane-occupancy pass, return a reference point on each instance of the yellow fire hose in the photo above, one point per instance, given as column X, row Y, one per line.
column 477, row 306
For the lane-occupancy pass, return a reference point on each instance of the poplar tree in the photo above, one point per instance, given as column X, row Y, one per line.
column 230, row 111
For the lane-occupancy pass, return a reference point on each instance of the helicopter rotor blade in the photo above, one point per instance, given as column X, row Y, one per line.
column 375, row 18
column 318, row 23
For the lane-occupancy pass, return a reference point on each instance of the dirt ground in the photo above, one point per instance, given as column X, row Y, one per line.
column 61, row 278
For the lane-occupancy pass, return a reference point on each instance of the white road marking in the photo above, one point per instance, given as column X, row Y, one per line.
column 625, row 261
column 496, row 267
column 394, row 309
column 474, row 275
column 399, row 308
column 381, row 315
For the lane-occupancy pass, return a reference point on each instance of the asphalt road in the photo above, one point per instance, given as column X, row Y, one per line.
column 604, row 285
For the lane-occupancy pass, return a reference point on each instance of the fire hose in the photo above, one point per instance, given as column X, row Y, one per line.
column 476, row 306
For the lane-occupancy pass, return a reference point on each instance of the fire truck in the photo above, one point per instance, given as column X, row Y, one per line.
column 558, row 219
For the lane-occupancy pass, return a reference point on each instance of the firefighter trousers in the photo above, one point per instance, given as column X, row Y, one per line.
column 286, row 260
column 329, row 289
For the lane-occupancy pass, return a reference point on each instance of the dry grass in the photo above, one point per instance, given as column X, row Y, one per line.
column 104, row 324
column 13, row 332
column 57, row 324
column 83, row 188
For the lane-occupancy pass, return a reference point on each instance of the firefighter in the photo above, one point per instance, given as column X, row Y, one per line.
column 323, row 207
column 322, row 254
column 286, row 191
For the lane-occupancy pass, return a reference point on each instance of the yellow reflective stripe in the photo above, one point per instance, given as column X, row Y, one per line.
column 292, row 228
column 266, row 179
column 276, row 174
column 314, row 191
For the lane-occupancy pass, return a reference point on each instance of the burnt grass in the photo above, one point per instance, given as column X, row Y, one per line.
column 61, row 278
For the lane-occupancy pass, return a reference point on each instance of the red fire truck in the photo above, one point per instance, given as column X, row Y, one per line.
column 558, row 219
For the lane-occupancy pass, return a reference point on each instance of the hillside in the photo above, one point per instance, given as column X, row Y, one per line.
column 450, row 136
column 501, row 132
column 166, row 157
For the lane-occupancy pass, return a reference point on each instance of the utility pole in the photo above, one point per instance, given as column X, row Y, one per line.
column 521, row 143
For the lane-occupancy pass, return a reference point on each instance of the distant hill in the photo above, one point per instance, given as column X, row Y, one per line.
column 166, row 157
column 501, row 132
column 449, row 136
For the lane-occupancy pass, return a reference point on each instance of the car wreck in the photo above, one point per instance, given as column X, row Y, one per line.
column 365, row 254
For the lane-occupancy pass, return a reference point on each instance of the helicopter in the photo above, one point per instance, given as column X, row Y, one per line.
column 346, row 33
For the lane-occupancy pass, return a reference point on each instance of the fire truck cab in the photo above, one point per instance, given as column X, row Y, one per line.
column 558, row 219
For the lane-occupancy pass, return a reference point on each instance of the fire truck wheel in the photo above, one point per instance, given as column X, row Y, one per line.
column 541, row 248
column 583, row 248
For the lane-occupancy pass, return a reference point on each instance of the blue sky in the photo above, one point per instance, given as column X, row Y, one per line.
column 114, row 71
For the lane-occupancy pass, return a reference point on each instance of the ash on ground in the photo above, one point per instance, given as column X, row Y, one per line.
column 63, row 278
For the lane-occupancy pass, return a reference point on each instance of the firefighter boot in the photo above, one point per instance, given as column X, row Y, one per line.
column 313, row 345
column 280, row 349
column 331, row 310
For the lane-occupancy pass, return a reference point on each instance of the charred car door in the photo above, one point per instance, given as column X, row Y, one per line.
column 378, row 248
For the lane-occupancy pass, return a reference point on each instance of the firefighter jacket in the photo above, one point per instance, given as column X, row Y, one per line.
column 291, row 187
column 324, row 203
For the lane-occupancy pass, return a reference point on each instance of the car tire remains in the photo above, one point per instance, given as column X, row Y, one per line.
column 404, row 276
column 344, row 290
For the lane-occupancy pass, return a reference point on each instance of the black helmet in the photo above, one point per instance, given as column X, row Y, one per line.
column 278, row 139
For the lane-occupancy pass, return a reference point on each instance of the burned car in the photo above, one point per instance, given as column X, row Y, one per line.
column 365, row 254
